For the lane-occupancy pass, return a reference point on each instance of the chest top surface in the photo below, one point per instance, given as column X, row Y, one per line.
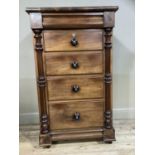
column 72, row 17
column 71, row 9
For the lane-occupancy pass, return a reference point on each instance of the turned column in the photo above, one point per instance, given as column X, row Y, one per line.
column 41, row 82
column 108, row 78
column 36, row 25
column 109, row 132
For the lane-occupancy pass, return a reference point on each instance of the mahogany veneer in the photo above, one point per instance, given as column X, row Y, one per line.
column 73, row 65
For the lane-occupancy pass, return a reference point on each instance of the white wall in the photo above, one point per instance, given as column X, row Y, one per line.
column 123, row 58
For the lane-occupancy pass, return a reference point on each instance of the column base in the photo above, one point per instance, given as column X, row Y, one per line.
column 109, row 136
column 45, row 140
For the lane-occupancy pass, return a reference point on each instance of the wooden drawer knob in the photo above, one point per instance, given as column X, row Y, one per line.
column 74, row 64
column 74, row 41
column 75, row 88
column 76, row 116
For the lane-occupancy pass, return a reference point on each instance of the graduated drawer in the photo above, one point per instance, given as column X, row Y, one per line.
column 62, row 40
column 76, row 114
column 73, row 63
column 75, row 87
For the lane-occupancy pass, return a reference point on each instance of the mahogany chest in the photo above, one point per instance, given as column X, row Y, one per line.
column 73, row 66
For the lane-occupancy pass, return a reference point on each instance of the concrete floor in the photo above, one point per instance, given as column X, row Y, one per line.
column 124, row 144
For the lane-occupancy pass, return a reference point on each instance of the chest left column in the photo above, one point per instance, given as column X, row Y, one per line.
column 37, row 28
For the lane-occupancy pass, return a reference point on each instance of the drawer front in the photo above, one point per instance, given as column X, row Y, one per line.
column 77, row 114
column 72, row 21
column 73, row 63
column 69, row 40
column 75, row 87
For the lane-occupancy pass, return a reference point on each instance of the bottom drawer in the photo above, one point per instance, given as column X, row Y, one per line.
column 76, row 114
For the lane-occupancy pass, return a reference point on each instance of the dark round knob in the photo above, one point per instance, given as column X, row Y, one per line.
column 76, row 116
column 74, row 41
column 75, row 88
column 74, row 65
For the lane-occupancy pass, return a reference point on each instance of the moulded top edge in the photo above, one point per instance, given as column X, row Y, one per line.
column 71, row 9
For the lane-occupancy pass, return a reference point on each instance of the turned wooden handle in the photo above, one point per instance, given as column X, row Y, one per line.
column 74, row 41
column 74, row 64
column 76, row 116
column 75, row 88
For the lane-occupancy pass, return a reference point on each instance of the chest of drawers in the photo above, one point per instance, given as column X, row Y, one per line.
column 73, row 67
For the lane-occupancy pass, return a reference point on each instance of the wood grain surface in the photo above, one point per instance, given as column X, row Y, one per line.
column 59, row 40
column 60, row 87
column 61, row 63
column 61, row 114
column 63, row 21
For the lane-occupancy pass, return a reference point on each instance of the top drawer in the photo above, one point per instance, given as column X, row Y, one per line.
column 71, row 40
column 72, row 21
